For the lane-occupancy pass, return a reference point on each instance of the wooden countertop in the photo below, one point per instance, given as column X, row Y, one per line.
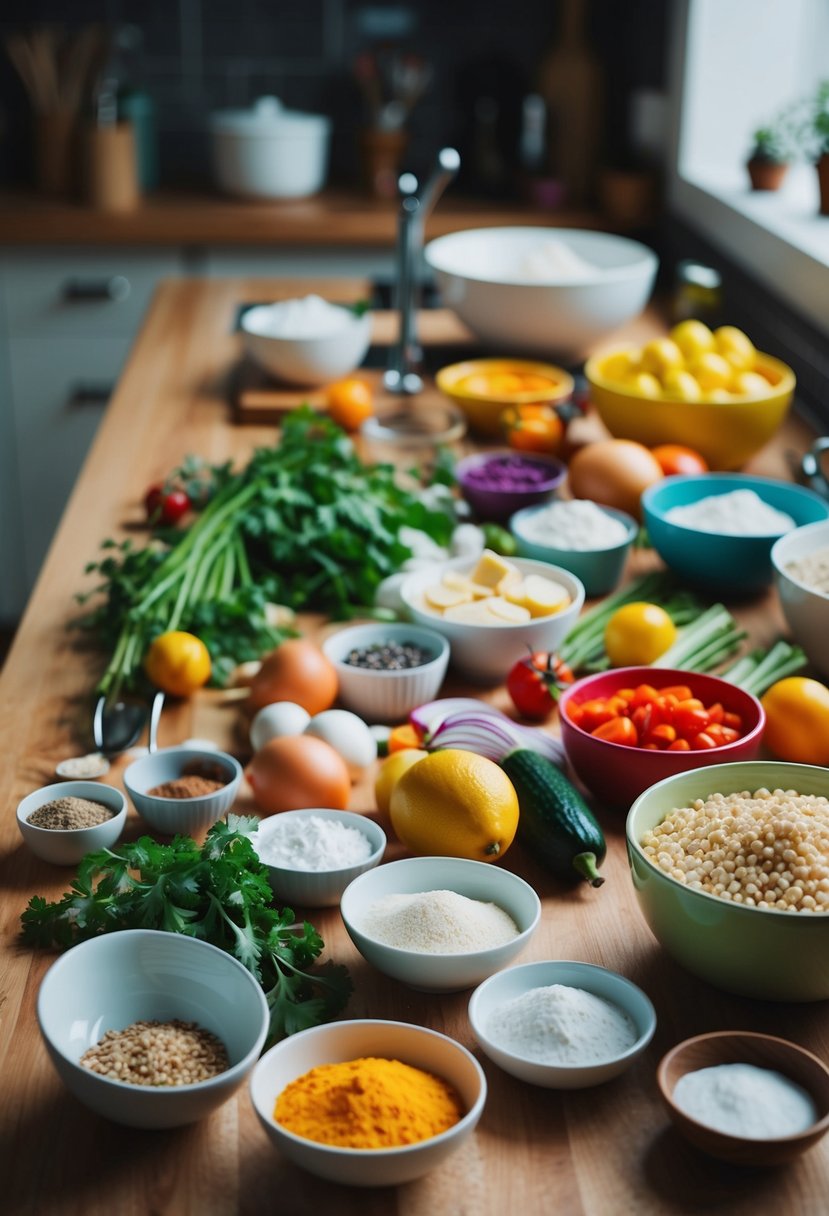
column 335, row 217
column 597, row 1152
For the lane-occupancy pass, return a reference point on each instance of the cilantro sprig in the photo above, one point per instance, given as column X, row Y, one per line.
column 219, row 893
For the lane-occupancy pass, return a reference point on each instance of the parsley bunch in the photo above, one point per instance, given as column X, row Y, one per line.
column 219, row 893
column 305, row 524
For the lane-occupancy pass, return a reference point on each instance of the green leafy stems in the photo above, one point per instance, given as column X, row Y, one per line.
column 219, row 893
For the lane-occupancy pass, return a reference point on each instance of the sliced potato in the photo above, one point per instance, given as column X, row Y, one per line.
column 511, row 614
column 443, row 597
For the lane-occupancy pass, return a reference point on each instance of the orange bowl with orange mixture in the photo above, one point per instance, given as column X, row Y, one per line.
column 483, row 388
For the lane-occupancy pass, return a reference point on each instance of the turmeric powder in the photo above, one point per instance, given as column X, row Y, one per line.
column 368, row 1103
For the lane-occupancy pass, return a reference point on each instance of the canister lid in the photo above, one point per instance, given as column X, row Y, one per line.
column 267, row 117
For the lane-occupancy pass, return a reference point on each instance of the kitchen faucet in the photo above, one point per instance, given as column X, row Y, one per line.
column 403, row 373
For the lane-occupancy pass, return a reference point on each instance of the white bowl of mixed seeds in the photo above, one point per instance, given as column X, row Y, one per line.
column 387, row 670
column 63, row 822
column 151, row 1029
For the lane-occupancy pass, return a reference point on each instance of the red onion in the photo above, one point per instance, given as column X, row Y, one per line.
column 492, row 734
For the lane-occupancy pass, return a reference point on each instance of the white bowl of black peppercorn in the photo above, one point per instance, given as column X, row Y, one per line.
column 387, row 670
column 66, row 845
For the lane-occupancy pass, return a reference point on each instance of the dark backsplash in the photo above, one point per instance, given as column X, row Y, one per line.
column 196, row 56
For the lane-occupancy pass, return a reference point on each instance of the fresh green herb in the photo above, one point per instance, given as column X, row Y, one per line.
column 757, row 671
column 218, row 893
column 304, row 524
column 706, row 642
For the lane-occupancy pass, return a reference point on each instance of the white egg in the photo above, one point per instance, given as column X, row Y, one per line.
column 277, row 719
column 348, row 735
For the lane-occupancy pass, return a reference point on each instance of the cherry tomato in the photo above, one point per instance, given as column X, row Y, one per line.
column 618, row 730
column 349, row 402
column 165, row 506
column 673, row 458
column 533, row 684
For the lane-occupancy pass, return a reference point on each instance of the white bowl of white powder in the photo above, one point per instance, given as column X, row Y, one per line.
column 440, row 924
column 306, row 341
column 312, row 855
column 560, row 1024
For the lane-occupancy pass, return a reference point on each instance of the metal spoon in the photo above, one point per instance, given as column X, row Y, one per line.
column 118, row 726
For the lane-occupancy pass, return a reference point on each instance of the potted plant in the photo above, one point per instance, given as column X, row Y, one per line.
column 769, row 159
column 821, row 129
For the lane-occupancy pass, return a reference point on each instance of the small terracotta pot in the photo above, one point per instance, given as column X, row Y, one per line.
column 766, row 174
column 823, row 181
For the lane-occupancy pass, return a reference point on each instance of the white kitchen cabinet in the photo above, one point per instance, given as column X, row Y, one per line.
column 67, row 322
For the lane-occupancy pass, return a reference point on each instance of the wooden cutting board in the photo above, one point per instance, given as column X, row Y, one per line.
column 259, row 400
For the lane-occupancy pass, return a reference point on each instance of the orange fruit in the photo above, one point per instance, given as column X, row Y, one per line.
column 349, row 402
column 178, row 663
column 390, row 772
column 674, row 458
column 455, row 803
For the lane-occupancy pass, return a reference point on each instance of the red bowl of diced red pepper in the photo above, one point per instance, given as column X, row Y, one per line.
column 625, row 729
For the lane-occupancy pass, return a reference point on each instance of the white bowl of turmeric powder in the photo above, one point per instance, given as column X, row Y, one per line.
column 431, row 1092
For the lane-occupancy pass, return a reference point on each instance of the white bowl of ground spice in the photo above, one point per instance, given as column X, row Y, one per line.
column 63, row 822
column 183, row 789
column 368, row 1102
column 151, row 1029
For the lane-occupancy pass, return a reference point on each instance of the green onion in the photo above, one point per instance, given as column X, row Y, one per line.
column 756, row 672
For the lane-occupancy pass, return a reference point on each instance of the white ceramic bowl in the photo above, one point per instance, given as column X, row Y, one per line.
column 485, row 653
column 111, row 981
column 307, row 361
column 66, row 848
column 485, row 276
column 515, row 981
column 414, row 875
column 805, row 609
column 269, row 151
column 342, row 1041
column 182, row 815
column 318, row 888
column 387, row 696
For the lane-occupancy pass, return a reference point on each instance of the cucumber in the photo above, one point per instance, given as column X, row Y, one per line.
column 554, row 820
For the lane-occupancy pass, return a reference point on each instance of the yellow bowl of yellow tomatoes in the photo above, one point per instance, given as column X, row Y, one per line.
column 484, row 388
column 707, row 390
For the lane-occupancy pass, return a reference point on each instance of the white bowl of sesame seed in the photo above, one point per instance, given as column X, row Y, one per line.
column 730, row 865
column 63, row 822
column 184, row 1025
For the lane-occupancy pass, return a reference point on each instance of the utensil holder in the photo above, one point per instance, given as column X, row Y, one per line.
column 381, row 153
column 54, row 138
column 112, row 168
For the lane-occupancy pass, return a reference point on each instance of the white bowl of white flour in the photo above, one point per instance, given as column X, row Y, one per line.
column 563, row 1025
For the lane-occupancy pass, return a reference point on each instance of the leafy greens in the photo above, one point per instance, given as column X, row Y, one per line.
column 219, row 893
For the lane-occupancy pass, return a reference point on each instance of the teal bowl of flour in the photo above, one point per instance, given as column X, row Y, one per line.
column 598, row 564
column 724, row 563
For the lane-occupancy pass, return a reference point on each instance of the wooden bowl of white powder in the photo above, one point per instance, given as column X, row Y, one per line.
column 439, row 924
column 561, row 1024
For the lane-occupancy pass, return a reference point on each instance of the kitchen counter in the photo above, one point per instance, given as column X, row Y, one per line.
column 335, row 217
column 598, row 1152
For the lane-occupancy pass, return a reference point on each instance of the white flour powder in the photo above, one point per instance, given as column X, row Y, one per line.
column 742, row 1100
column 312, row 843
column 438, row 922
column 576, row 524
column 561, row 1025
column 740, row 513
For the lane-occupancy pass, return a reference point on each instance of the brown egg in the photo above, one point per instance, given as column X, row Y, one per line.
column 296, row 671
column 614, row 473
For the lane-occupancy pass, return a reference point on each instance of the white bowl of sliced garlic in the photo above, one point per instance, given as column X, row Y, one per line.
column 492, row 610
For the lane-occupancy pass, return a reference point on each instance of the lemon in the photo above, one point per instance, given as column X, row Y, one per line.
column 718, row 396
column 619, row 366
column 660, row 355
column 178, row 663
column 693, row 338
column 390, row 772
column 750, row 384
column 638, row 633
column 681, row 384
column 736, row 347
column 455, row 804
column 711, row 370
column 645, row 384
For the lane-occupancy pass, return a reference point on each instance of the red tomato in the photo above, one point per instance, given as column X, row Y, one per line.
column 673, row 458
column 533, row 684
column 165, row 506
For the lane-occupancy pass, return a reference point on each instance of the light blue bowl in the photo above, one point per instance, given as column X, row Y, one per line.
column 728, row 565
column 599, row 569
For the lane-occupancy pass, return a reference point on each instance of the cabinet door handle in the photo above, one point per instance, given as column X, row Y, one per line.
column 89, row 394
column 113, row 289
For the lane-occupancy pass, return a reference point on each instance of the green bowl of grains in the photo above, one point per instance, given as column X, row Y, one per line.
column 730, row 865
column 63, row 822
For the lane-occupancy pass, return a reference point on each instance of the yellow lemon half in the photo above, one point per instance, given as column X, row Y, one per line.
column 390, row 772
column 455, row 804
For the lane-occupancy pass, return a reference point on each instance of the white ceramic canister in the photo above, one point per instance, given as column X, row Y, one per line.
column 269, row 151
